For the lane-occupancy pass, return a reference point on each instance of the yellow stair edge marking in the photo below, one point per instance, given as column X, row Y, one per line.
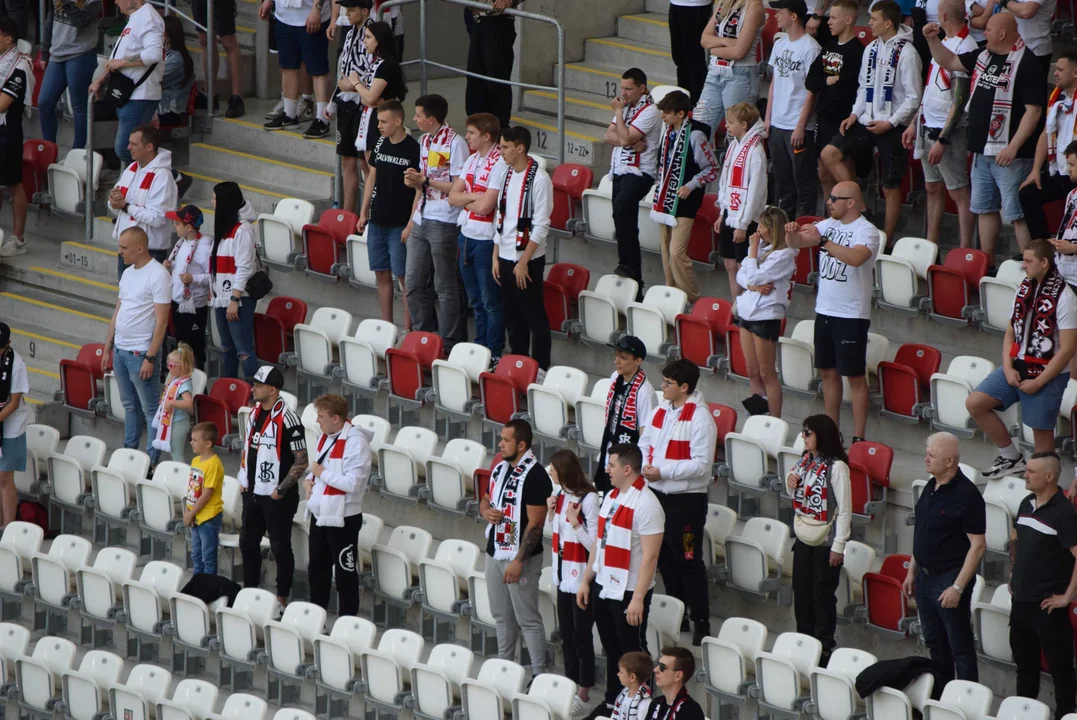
column 248, row 188
column 93, row 248
column 553, row 128
column 50, row 306
column 251, row 31
column 256, row 126
column 643, row 19
column 625, row 46
column 32, row 401
column 593, row 71
column 279, row 163
column 46, row 373
column 574, row 101
column 42, row 338
column 75, row 278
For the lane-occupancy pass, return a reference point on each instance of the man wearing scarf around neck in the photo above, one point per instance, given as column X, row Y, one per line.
column 675, row 668
column 14, row 416
column 628, row 404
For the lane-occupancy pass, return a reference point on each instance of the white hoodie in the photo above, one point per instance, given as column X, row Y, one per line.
column 908, row 84
column 695, row 474
column 149, row 192
column 143, row 38
column 777, row 267
column 742, row 191
column 237, row 259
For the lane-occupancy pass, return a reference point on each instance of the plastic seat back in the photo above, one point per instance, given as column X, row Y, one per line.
column 412, row 541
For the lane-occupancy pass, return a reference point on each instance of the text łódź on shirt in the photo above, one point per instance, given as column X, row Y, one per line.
column 844, row 290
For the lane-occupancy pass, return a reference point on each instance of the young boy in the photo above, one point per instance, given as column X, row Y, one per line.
column 204, row 511
column 633, row 670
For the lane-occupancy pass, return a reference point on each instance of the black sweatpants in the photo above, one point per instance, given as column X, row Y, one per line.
column 491, row 53
column 1033, row 630
column 333, row 552
column 262, row 514
column 815, row 584
column 628, row 190
column 191, row 329
column 681, row 558
column 526, row 322
column 796, row 172
column 1055, row 187
column 686, row 26
column 617, row 636
column 577, row 641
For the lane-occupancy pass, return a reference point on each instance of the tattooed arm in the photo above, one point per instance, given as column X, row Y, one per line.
column 536, row 517
column 299, row 469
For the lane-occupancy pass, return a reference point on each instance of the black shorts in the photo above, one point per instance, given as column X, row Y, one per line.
column 766, row 329
column 824, row 133
column 841, row 343
column 224, row 16
column 348, row 116
column 858, row 142
column 10, row 165
column 729, row 250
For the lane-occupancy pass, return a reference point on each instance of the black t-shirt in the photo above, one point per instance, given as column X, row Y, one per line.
column 390, row 72
column 391, row 204
column 15, row 88
column 294, row 442
column 1030, row 89
column 945, row 516
column 537, row 487
column 1044, row 563
column 834, row 102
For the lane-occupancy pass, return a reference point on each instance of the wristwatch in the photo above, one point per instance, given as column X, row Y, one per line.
column 822, row 242
column 958, row 588
column 942, row 139
column 125, row 206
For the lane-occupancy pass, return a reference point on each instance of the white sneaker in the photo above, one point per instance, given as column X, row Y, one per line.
column 541, row 377
column 277, row 110
column 579, row 707
column 306, row 110
column 278, row 611
column 13, row 246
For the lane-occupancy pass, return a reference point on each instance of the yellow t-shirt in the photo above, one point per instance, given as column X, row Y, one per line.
column 206, row 476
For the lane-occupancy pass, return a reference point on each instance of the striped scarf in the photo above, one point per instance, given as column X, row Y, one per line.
column 1040, row 299
column 889, row 76
column 507, row 495
column 266, row 430
column 676, row 147
column 1003, row 85
column 326, row 503
column 1057, row 105
column 435, row 164
column 679, row 439
column 163, row 419
column 615, row 538
column 631, row 711
column 626, row 416
column 571, row 556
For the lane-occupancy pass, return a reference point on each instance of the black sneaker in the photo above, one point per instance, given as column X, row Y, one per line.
column 317, row 129
column 702, row 630
column 1005, row 466
column 686, row 624
column 622, row 271
column 281, row 122
column 236, row 108
column 183, row 183
column 756, row 404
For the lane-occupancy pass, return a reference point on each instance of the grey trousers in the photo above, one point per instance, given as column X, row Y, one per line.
column 432, row 266
column 796, row 172
column 516, row 609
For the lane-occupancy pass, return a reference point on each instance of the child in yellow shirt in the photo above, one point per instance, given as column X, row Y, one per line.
column 204, row 508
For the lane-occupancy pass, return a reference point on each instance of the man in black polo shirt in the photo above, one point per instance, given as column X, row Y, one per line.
column 1043, row 583
column 948, row 543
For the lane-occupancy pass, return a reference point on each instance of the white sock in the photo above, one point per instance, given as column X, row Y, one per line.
column 290, row 107
column 321, row 112
column 308, row 98
column 1010, row 452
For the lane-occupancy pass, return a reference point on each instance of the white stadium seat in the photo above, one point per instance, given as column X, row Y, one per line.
column 242, row 706
column 949, row 391
column 100, row 593
column 54, row 575
column 490, row 694
column 41, row 441
column 1002, row 497
column 833, row 689
column 754, row 558
column 435, row 684
column 961, row 700
column 396, row 567
column 890, row 704
column 67, row 182
column 369, row 535
column 996, row 297
column 551, row 406
column 315, row 347
column 282, row 231
column 289, row 647
column 992, row 621
column 748, row 454
column 362, row 361
column 192, row 700
column 449, row 478
column 483, row 624
column 18, row 545
column 402, row 465
column 721, row 520
column 85, row 690
column 601, row 309
column 38, row 677
column 112, row 486
column 443, row 580
column 240, row 632
column 899, row 273
column 796, row 360
column 783, row 673
column 729, row 659
column 387, row 670
column 456, row 382
column 336, row 659
column 591, row 422
column 359, row 273
column 598, row 211
column 69, row 474
column 146, row 603
column 191, row 626
column 137, row 698
column 14, row 643
column 1022, row 708
column 665, row 617
column 652, row 319
column 549, row 698
column 859, row 559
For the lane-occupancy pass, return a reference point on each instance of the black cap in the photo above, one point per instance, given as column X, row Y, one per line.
column 799, row 7
column 367, row 4
column 271, row 376
column 632, row 345
column 5, row 334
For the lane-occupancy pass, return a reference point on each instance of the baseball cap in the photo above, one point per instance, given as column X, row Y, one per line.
column 799, row 7
column 5, row 334
column 188, row 214
column 271, row 376
column 633, row 345
column 368, row 4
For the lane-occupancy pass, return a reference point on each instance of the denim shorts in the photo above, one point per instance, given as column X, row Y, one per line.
column 384, row 251
column 723, row 91
column 295, row 47
column 995, row 188
column 14, row 450
column 1039, row 411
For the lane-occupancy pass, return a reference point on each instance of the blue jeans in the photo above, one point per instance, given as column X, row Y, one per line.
column 74, row 74
column 483, row 292
column 140, row 397
column 205, row 539
column 996, row 188
column 237, row 340
column 947, row 632
column 721, row 92
column 130, row 116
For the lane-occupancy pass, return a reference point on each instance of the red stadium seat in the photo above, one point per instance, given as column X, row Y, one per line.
column 725, row 419
column 270, row 338
column 864, row 34
column 408, row 367
column 290, row 311
column 37, row 155
column 698, row 334
column 736, row 365
column 222, row 403
column 323, row 244
column 905, row 381
column 701, row 245
column 869, row 468
column 561, row 293
column 569, row 182
column 1054, row 211
column 950, row 284
column 504, row 389
column 38, row 67
column 887, row 608
column 807, row 262
column 79, row 377
column 481, row 479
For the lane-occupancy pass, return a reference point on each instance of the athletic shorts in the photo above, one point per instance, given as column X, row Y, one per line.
column 729, row 250
column 348, row 116
column 842, row 344
column 295, row 47
column 824, row 133
column 858, row 141
column 10, row 165
column 224, row 16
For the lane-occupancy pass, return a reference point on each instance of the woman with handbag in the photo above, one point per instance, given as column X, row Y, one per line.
column 822, row 522
column 238, row 279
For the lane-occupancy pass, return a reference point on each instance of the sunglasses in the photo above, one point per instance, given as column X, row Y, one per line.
column 835, row 198
column 806, row 432
column 662, row 667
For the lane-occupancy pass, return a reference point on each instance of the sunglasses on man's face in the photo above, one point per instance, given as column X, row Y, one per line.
column 835, row 198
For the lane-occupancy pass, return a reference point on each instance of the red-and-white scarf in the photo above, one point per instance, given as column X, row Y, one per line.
column 187, row 305
column 998, row 131
column 507, row 495
column 615, row 538
column 572, row 555
column 266, row 428
column 438, row 148
column 679, row 444
column 326, row 503
column 162, row 419
column 1059, row 107
column 477, row 179
column 627, row 417
column 811, row 496
column 626, row 156
column 1041, row 299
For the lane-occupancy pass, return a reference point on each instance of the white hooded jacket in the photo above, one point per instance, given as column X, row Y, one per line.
column 908, row 81
column 742, row 186
column 777, row 267
column 149, row 192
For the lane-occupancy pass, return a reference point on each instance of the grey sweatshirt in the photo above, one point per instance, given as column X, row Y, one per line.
column 73, row 28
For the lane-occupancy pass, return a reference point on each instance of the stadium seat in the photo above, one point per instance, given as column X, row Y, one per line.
column 455, row 383
column 450, row 477
column 747, row 456
column 192, row 700
column 443, row 582
column 67, row 184
column 158, row 504
column 961, row 700
column 864, row 34
column 950, row 285
column 289, row 311
column 78, row 380
column 725, row 420
column 700, row 333
column 549, row 697
column 833, row 689
column 870, row 464
column 14, row 644
column 665, row 616
column 601, row 309
column 282, row 233
column 551, row 405
column 503, row 389
column 859, row 559
column 137, row 698
column 796, row 361
column 408, row 368
column 590, row 423
column 597, row 209
column 37, row 156
column 1022, row 708
column 84, row 691
column 886, row 606
column 242, row 706
column 561, row 294
column 721, row 521
column 191, row 627
column 483, row 626
column 362, row 362
column 19, row 544
column 783, row 674
column 649, row 237
column 878, row 346
column 905, row 382
column 336, row 662
column 111, row 489
column 396, row 569
column 146, row 604
column 702, row 243
column 53, row 584
column 489, row 695
column 650, row 319
column 754, row 558
column 992, row 620
column 359, row 273
column 100, row 594
column 435, row 684
column 951, row 389
column 222, row 404
column 996, row 297
column 69, row 475
column 569, row 183
column 315, row 344
column 898, row 274
column 289, row 650
column 729, row 659
column 240, row 633
column 1002, row 498
column 387, row 670
column 41, row 441
column 37, row 677
column 324, row 244
column 402, row 465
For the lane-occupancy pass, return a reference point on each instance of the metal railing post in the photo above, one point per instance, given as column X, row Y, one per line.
column 88, row 195
column 40, row 24
column 213, row 58
column 560, row 91
column 422, row 47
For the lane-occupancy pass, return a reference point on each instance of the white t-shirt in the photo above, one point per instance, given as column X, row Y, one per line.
column 648, row 519
column 845, row 291
column 1036, row 31
column 1066, row 316
column 938, row 92
column 297, row 16
column 790, row 60
column 441, row 209
column 16, row 423
column 141, row 289
column 930, row 8
column 977, row 35
column 626, row 161
column 1064, row 112
column 143, row 38
column 542, row 206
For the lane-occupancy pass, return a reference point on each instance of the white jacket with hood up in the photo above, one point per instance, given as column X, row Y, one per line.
column 149, row 192
column 243, row 248
column 908, row 85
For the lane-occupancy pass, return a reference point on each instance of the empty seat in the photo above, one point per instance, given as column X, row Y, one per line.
column 570, row 181
column 890, row 704
column 435, row 684
column 833, row 689
column 359, row 273
column 100, row 593
column 1002, row 499
column 721, row 520
column 146, row 603
column 54, row 576
column 601, row 309
column 951, row 389
column 489, row 695
column 137, row 698
column 950, row 285
column 783, row 674
column 666, row 614
column 336, row 660
column 561, row 294
column 69, row 474
column 729, row 659
column 591, row 422
column 324, row 243
column 1022, row 708
column 289, row 648
column 503, row 389
column 315, row 346
column 886, row 605
column 905, row 381
column 281, row 233
column 597, row 209
column 402, row 465
column 859, row 559
column 192, row 700
column 961, row 700
column 362, row 361
column 191, row 627
column 898, row 274
column 67, row 182
column 996, row 297
column 548, row 698
column 551, row 405
column 456, row 383
column 242, row 706
column 159, row 502
column 78, row 380
column 225, row 398
column 19, row 544
column 993, row 621
column 396, row 567
column 754, row 558
column 37, row 677
column 387, row 670
column 85, row 690
column 14, row 644
column 408, row 368
column 41, row 441
column 869, row 478
column 700, row 333
column 450, row 478
column 796, row 360
column 651, row 319
column 747, row 454
column 273, row 330
column 483, row 625
column 240, row 633
column 112, row 487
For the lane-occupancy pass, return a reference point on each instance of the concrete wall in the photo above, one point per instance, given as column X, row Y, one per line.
column 446, row 38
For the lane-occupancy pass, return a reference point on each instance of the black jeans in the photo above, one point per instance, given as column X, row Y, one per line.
column 577, row 642
column 686, row 26
column 628, row 190
column 681, row 558
column 333, row 554
column 262, row 514
column 1055, row 187
column 815, row 584
column 1033, row 630
column 617, row 636
column 526, row 322
column 490, row 53
column 191, row 329
column 948, row 632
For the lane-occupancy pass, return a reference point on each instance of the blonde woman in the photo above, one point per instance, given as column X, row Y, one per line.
column 766, row 276
column 731, row 40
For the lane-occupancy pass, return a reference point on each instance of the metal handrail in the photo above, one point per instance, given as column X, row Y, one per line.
column 87, row 205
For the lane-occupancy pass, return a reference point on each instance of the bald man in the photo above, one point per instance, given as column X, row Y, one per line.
column 848, row 246
column 1005, row 114
column 948, row 543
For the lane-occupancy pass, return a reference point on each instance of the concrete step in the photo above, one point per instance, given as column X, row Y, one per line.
column 264, row 170
column 92, row 259
column 246, row 69
column 244, row 33
column 262, row 199
column 33, row 307
column 584, row 143
column 63, row 281
column 583, row 107
column 650, row 28
column 286, row 144
column 604, row 80
column 44, row 345
column 622, row 53
column 658, row 6
column 44, row 379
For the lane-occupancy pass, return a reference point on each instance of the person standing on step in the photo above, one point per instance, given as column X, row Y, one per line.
column 628, row 404
column 233, row 263
column 136, row 335
column 71, row 54
column 742, row 188
column 1065, row 242
column 301, row 40
column 635, row 134
column 731, row 41
column 675, row 669
column 272, row 462
column 514, row 507
column 677, row 445
column 347, row 104
column 687, row 21
column 145, row 192
column 16, row 87
column 14, row 417
column 334, row 489
column 189, row 265
column 378, row 80
column 491, row 53
column 523, row 224
column 433, row 253
column 224, row 27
